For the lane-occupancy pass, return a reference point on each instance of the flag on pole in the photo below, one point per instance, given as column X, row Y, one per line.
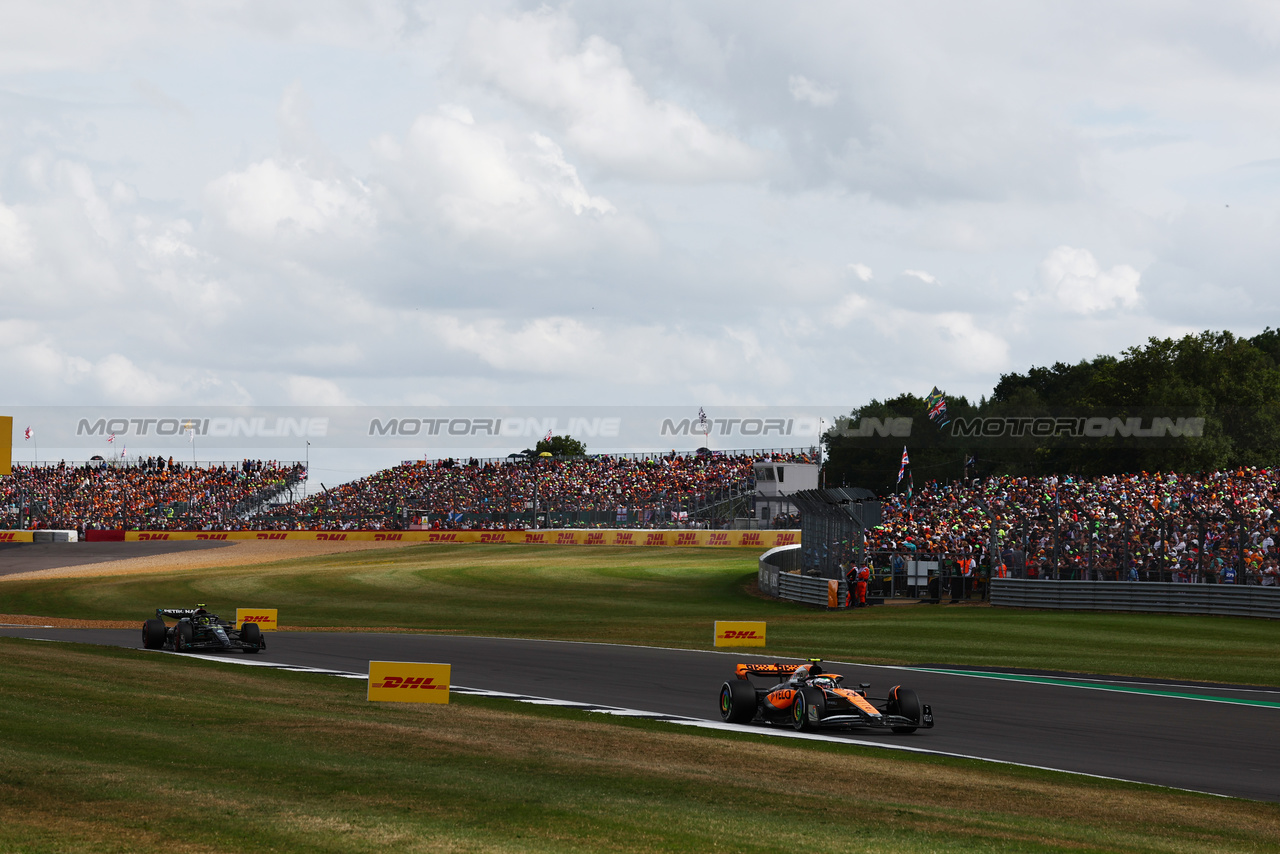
column 937, row 405
column 111, row 438
column 29, row 433
column 902, row 469
column 547, row 438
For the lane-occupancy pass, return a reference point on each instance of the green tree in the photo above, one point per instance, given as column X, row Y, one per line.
column 1232, row 383
column 561, row 446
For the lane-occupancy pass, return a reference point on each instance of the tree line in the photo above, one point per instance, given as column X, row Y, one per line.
column 1231, row 383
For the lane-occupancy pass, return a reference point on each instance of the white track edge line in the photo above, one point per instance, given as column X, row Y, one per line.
column 696, row 723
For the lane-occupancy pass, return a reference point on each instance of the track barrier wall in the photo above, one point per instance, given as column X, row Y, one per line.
column 779, row 576
column 1154, row 597
column 613, row 537
column 38, row 536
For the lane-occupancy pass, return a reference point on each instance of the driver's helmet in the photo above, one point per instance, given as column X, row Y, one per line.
column 200, row 615
column 823, row 682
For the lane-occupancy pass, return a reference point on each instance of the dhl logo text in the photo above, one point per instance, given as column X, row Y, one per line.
column 211, row 536
column 686, row 538
column 388, row 537
column 625, row 540
column 655, row 539
column 749, row 539
column 493, row 538
column 331, row 536
column 8, row 538
column 153, row 536
column 423, row 682
column 271, row 536
column 595, row 540
column 565, row 539
column 732, row 635
column 535, row 538
column 441, row 538
column 256, row 619
column 718, row 540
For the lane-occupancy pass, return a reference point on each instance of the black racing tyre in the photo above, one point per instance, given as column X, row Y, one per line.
column 802, row 709
column 904, row 702
column 153, row 632
column 252, row 634
column 182, row 635
column 737, row 701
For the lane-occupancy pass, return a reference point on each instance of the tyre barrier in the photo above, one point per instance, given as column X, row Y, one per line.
column 1152, row 597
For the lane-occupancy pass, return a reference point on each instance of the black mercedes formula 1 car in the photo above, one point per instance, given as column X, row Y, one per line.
column 809, row 698
column 196, row 630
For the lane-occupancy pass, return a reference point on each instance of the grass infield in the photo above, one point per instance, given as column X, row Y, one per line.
column 662, row 597
column 107, row 750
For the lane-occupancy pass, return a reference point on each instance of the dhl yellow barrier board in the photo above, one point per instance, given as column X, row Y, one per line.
column 739, row 633
column 575, row 537
column 408, row 682
column 17, row 536
column 6, row 444
column 264, row 617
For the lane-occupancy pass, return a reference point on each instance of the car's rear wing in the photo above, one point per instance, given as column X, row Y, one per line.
column 175, row 613
column 746, row 670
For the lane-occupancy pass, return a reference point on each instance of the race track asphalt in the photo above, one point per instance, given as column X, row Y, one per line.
column 1217, row 739
column 28, row 557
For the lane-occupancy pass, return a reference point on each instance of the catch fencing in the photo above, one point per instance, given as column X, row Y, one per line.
column 1153, row 597
column 780, row 577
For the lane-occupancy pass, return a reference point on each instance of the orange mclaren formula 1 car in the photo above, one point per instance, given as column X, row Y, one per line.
column 809, row 698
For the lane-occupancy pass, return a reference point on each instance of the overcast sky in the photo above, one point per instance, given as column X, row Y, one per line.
column 608, row 202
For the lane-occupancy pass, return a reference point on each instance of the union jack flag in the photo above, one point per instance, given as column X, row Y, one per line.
column 902, row 469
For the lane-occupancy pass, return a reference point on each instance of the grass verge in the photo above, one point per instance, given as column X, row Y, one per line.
column 662, row 597
column 107, row 750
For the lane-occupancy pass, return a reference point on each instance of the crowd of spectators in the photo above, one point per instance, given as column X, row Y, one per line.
column 1215, row 527
column 152, row 493
column 661, row 490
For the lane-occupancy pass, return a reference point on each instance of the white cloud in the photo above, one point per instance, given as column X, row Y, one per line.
column 806, row 91
column 270, row 200
column 862, row 271
column 15, row 238
column 1076, row 282
column 315, row 391
column 538, row 60
column 476, row 179
column 927, row 278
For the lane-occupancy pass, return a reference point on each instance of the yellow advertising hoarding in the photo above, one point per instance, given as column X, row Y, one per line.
column 574, row 537
column 730, row 633
column 264, row 617
column 408, row 682
column 17, row 536
column 6, row 444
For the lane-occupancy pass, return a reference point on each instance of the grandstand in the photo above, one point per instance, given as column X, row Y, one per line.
column 1214, row 527
column 149, row 494
column 646, row 490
